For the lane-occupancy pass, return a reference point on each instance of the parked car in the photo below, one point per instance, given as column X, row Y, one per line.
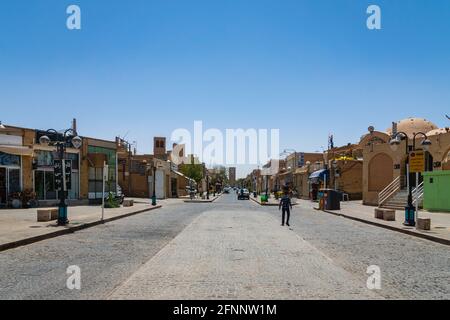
column 243, row 194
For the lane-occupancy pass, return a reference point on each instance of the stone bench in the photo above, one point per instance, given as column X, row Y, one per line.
column 423, row 223
column 44, row 215
column 385, row 214
column 128, row 203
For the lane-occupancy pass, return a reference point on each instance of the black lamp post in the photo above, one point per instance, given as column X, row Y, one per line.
column 154, row 184
column 61, row 141
column 395, row 141
column 267, row 186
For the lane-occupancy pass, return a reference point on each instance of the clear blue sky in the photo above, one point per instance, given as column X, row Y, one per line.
column 150, row 66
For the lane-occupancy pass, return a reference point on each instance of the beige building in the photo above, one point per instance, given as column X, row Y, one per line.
column 386, row 164
column 27, row 166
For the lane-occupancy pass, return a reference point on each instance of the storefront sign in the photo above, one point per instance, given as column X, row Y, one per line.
column 416, row 161
column 10, row 140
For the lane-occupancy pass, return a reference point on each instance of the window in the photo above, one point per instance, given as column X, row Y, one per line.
column 44, row 185
column 7, row 159
column 14, row 180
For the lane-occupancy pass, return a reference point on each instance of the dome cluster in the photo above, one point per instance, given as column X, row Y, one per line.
column 410, row 126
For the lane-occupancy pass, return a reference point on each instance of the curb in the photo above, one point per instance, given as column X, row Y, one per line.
column 269, row 204
column 68, row 230
column 405, row 231
column 201, row 201
column 264, row 204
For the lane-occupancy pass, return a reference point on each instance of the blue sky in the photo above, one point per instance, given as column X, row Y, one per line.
column 147, row 67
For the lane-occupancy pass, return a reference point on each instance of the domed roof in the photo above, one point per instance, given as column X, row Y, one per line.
column 435, row 132
column 413, row 125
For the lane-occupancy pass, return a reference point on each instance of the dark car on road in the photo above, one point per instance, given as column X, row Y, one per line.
column 243, row 194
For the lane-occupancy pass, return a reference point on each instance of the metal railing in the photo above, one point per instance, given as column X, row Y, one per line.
column 417, row 194
column 389, row 191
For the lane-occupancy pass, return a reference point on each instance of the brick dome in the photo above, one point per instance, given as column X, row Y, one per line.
column 413, row 125
column 435, row 132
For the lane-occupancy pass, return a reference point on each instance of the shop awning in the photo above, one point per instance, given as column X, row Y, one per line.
column 319, row 174
column 16, row 150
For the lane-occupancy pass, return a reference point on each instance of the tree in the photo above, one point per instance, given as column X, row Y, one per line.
column 193, row 171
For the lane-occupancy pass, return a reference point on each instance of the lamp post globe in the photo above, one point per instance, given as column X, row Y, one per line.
column 76, row 142
column 44, row 140
column 426, row 144
column 394, row 143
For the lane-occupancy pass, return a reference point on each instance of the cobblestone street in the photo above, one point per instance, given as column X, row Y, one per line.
column 228, row 249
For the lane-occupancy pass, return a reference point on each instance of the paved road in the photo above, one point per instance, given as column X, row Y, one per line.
column 243, row 252
column 107, row 255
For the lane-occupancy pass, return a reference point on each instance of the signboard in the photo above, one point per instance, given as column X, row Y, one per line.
column 68, row 173
column 416, row 161
column 59, row 171
column 57, row 167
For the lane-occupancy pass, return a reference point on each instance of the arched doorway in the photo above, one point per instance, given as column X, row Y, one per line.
column 381, row 172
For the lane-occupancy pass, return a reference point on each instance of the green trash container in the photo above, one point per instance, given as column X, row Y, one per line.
column 264, row 198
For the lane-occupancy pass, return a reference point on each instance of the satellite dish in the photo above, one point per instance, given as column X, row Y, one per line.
column 447, row 117
column 371, row 129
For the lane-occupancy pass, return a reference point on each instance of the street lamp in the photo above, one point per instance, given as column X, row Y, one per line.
column 394, row 143
column 154, row 183
column 207, row 185
column 61, row 141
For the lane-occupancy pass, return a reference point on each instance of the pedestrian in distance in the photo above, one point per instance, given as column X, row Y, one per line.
column 285, row 206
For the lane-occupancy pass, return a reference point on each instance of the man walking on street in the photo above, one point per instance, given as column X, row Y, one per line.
column 286, row 206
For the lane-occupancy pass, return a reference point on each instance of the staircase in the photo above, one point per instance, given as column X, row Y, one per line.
column 397, row 201
column 395, row 195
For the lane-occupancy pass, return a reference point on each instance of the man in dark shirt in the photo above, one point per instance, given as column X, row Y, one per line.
column 286, row 206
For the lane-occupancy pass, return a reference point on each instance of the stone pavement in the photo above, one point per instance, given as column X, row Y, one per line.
column 440, row 222
column 240, row 254
column 20, row 226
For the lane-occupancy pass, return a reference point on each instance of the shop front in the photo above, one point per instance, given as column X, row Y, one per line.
column 10, row 176
column 11, row 162
column 97, row 156
column 44, row 176
column 318, row 180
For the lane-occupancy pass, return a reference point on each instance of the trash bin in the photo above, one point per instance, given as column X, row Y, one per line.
column 332, row 199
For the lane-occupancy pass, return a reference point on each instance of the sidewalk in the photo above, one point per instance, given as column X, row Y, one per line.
column 440, row 222
column 20, row 227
